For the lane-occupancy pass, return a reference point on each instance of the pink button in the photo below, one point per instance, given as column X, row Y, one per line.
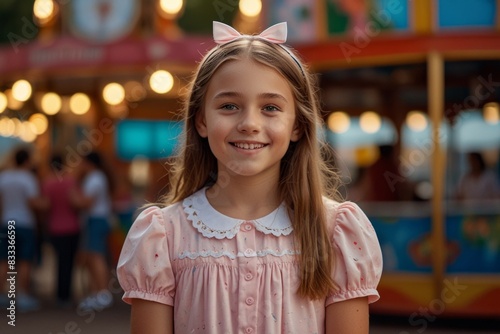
column 249, row 301
column 249, row 251
column 246, row 227
column 249, row 330
column 248, row 276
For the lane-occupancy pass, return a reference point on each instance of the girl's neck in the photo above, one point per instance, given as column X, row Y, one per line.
column 244, row 200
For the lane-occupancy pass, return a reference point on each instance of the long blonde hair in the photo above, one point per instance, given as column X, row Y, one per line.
column 304, row 175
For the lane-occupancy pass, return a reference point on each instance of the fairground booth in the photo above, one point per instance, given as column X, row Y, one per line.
column 410, row 90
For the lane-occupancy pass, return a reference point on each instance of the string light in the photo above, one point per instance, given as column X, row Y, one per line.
column 44, row 10
column 250, row 8
column 21, row 90
column 161, row 82
column 416, row 121
column 370, row 122
column 113, row 93
column 338, row 122
column 79, row 103
column 170, row 8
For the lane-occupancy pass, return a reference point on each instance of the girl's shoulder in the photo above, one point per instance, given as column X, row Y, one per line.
column 344, row 214
column 334, row 207
column 170, row 212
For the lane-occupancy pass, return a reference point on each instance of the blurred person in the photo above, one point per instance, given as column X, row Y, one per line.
column 19, row 201
column 123, row 202
column 358, row 186
column 383, row 177
column 124, row 209
column 63, row 227
column 478, row 183
column 96, row 202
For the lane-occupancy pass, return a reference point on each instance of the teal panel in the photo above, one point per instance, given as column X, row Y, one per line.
column 466, row 13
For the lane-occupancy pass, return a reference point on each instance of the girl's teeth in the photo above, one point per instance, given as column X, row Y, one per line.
column 246, row 146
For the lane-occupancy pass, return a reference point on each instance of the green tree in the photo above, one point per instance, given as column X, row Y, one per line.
column 199, row 14
column 16, row 22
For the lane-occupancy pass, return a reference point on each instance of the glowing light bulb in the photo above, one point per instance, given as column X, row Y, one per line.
column 250, row 8
column 113, row 93
column 21, row 90
column 171, row 7
column 44, row 10
column 51, row 103
column 416, row 121
column 161, row 82
column 370, row 122
column 79, row 103
column 40, row 123
column 338, row 122
column 7, row 127
column 3, row 102
column 491, row 112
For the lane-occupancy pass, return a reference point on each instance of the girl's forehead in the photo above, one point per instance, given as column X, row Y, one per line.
column 244, row 62
column 246, row 71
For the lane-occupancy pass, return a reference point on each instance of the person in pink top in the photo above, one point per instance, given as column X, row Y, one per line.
column 63, row 226
column 252, row 237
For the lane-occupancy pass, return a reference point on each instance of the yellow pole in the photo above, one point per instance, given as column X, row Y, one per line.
column 435, row 86
column 321, row 20
column 424, row 16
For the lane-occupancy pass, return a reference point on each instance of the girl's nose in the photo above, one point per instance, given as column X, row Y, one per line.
column 249, row 122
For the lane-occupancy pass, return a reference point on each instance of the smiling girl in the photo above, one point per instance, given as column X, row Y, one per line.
column 251, row 239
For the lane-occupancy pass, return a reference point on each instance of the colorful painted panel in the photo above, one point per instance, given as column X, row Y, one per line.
column 466, row 13
column 368, row 17
column 405, row 242
column 476, row 240
column 300, row 16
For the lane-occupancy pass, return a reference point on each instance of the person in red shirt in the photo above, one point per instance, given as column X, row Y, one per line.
column 63, row 225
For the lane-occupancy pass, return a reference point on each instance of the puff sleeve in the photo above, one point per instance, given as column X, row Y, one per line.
column 144, row 268
column 358, row 257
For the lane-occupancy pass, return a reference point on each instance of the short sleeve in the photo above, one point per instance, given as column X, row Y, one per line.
column 144, row 267
column 358, row 258
column 32, row 187
column 94, row 184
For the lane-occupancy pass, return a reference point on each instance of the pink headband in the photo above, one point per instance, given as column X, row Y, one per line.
column 275, row 34
column 224, row 34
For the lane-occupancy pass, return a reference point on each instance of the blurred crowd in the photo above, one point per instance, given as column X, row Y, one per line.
column 386, row 180
column 75, row 211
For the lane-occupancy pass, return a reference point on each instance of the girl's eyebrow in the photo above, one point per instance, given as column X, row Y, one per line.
column 225, row 94
column 273, row 96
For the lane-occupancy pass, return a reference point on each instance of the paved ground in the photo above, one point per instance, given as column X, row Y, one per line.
column 52, row 320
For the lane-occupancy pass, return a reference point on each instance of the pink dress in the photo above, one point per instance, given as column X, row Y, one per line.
column 225, row 275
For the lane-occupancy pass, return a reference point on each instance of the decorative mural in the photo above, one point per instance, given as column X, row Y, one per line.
column 366, row 16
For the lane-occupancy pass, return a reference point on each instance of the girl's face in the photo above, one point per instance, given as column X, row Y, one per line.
column 248, row 117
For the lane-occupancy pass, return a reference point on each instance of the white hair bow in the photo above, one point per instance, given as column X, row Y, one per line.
column 224, row 34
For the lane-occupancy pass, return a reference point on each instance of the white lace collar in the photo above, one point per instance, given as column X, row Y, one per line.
column 213, row 224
